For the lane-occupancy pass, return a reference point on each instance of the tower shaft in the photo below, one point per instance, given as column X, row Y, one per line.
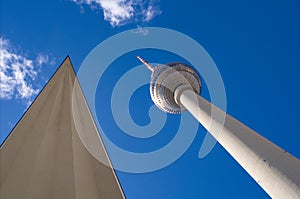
column 275, row 170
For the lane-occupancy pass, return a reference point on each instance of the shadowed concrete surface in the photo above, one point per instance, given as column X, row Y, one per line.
column 44, row 157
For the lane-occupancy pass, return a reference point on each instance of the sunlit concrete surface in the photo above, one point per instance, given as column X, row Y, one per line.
column 44, row 158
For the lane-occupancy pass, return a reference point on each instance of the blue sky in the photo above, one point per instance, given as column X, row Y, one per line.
column 255, row 45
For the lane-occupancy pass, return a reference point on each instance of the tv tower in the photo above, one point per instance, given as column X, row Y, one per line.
column 175, row 87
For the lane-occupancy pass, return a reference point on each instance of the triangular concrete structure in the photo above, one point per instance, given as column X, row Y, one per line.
column 44, row 158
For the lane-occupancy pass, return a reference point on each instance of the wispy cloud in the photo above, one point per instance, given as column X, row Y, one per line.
column 17, row 72
column 141, row 30
column 42, row 59
column 121, row 12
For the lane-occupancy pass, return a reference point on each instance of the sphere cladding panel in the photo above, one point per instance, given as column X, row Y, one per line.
column 165, row 79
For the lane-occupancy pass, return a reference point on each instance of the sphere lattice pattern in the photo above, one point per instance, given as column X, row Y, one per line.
column 164, row 81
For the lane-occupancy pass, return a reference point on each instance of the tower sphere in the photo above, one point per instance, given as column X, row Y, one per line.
column 164, row 81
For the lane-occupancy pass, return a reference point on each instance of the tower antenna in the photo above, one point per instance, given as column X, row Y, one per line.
column 149, row 66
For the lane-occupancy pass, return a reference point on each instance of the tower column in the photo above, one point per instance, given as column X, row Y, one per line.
column 275, row 170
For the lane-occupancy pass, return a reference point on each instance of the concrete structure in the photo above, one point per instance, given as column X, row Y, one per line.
column 276, row 171
column 44, row 158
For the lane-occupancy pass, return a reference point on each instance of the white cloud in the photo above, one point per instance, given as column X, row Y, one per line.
column 42, row 59
column 120, row 12
column 150, row 13
column 17, row 72
column 141, row 30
